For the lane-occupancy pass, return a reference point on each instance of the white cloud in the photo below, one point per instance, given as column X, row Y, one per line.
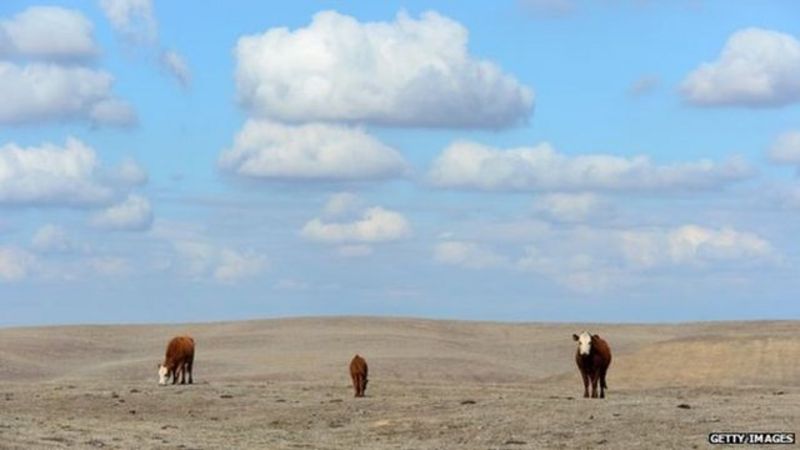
column 130, row 173
column 474, row 166
column 271, row 150
column 203, row 260
column 375, row 224
column 109, row 266
column 52, row 239
column 568, row 207
column 133, row 214
column 135, row 22
column 47, row 32
column 177, row 66
column 467, row 254
column 50, row 92
column 342, row 203
column 133, row 19
column 15, row 263
column 757, row 68
column 695, row 245
column 786, row 148
column 409, row 72
column 51, row 175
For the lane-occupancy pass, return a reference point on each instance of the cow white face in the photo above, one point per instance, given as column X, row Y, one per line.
column 163, row 375
column 584, row 342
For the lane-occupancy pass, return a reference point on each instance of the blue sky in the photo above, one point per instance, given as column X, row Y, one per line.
column 538, row 160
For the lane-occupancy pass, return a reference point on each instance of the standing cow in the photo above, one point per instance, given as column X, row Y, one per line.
column 593, row 357
column 178, row 361
column 358, row 373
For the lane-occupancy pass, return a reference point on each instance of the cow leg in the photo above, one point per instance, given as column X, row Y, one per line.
column 594, row 385
column 174, row 373
column 603, row 383
column 355, row 384
column 585, row 385
column 189, row 367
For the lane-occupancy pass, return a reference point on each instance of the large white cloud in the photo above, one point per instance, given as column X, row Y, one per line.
column 133, row 214
column 757, row 68
column 474, row 166
column 270, row 150
column 409, row 72
column 41, row 92
column 58, row 175
column 47, row 32
column 51, row 174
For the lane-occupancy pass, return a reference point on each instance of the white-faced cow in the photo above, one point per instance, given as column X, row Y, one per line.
column 178, row 361
column 593, row 357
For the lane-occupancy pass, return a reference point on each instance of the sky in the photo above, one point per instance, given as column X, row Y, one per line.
column 520, row 160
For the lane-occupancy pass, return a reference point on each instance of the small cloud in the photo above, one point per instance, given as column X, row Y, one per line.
column 133, row 214
column 569, row 207
column 376, row 224
column 176, row 65
column 467, row 254
column 270, row 150
column 646, row 84
column 52, row 239
column 786, row 149
column 15, row 263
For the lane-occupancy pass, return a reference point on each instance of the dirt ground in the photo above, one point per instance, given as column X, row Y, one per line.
column 283, row 384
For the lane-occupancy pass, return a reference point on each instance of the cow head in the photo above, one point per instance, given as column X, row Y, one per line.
column 163, row 374
column 584, row 342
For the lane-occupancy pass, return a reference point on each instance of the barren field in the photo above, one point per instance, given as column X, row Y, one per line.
column 284, row 384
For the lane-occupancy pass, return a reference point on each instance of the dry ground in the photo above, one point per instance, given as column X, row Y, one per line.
column 283, row 384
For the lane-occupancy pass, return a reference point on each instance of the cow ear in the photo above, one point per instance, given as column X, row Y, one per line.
column 596, row 336
column 574, row 337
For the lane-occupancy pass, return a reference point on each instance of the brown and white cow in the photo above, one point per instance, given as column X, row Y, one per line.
column 593, row 357
column 358, row 373
column 178, row 361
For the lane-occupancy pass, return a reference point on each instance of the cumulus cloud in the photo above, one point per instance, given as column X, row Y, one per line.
column 467, row 254
column 786, row 149
column 15, row 263
column 757, row 68
column 409, row 72
column 47, row 32
column 133, row 214
column 135, row 22
column 374, row 224
column 51, row 175
column 270, row 150
column 130, row 173
column 43, row 92
column 471, row 165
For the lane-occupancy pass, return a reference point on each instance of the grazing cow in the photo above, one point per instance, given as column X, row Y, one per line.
column 593, row 357
column 358, row 372
column 178, row 361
